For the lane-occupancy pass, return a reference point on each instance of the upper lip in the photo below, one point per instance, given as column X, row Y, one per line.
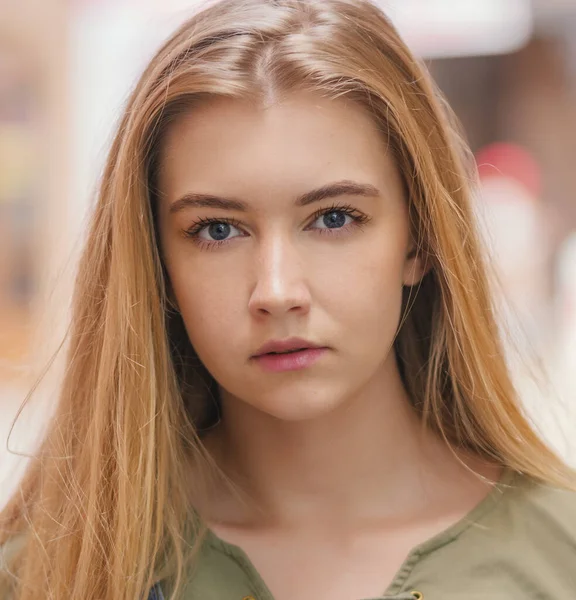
column 285, row 345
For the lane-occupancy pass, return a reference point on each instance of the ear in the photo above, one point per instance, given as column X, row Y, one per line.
column 416, row 266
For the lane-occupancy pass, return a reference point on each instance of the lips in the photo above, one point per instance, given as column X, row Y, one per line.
column 286, row 346
column 295, row 360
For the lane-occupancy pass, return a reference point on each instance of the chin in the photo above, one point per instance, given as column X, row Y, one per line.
column 304, row 409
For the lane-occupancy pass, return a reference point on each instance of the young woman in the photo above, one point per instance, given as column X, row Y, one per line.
column 285, row 379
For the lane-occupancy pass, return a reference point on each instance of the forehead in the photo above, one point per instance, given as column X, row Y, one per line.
column 235, row 147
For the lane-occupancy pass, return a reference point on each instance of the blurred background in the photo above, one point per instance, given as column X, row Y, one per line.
column 508, row 68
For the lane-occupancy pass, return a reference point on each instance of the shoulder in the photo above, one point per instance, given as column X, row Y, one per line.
column 519, row 542
column 531, row 532
column 521, row 521
column 543, row 512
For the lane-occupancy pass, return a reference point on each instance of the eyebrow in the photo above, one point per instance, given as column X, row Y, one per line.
column 331, row 190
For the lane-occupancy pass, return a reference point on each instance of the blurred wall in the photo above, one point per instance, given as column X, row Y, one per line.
column 34, row 200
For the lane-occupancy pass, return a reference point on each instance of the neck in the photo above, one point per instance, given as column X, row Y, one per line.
column 369, row 459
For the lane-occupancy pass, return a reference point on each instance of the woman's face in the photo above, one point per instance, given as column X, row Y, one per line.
column 282, row 222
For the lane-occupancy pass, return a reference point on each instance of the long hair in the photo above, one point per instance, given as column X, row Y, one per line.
column 102, row 510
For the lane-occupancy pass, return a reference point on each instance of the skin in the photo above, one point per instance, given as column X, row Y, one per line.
column 342, row 480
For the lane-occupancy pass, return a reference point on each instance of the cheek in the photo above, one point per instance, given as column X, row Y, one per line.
column 209, row 302
column 366, row 302
column 367, row 283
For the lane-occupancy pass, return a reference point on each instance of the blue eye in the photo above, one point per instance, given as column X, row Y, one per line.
column 335, row 219
column 217, row 231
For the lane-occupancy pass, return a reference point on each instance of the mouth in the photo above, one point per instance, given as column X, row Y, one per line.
column 291, row 354
column 286, row 346
column 285, row 352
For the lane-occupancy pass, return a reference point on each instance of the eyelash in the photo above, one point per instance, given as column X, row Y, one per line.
column 359, row 220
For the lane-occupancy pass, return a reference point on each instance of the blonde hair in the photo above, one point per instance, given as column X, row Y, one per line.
column 103, row 505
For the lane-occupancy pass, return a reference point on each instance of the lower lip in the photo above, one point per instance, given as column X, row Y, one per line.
column 277, row 363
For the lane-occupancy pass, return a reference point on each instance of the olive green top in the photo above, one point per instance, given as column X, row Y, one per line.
column 518, row 543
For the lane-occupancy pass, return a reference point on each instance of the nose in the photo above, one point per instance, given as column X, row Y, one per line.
column 280, row 279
